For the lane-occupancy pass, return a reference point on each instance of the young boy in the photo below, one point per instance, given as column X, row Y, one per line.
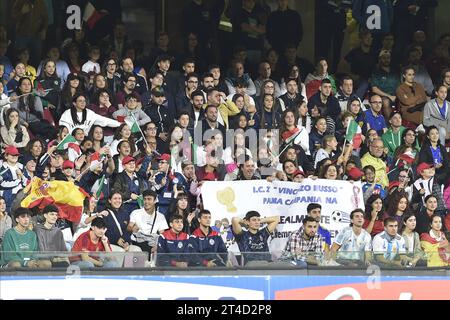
column 370, row 187
column 429, row 183
column 12, row 179
column 92, row 66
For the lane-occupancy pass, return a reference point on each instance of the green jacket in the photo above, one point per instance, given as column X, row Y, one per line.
column 392, row 140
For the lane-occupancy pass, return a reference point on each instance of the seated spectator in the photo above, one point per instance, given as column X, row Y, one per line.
column 315, row 210
column 412, row 240
column 173, row 245
column 389, row 247
column 305, row 246
column 5, row 219
column 180, row 205
column 19, row 72
column 414, row 59
column 50, row 238
column 146, row 224
column 19, row 243
column 437, row 113
column 392, row 137
column 13, row 133
column 253, row 241
column 346, row 93
column 208, row 248
column 432, row 151
column 117, row 219
column 373, row 217
column 160, row 114
column 435, row 244
column 353, row 245
column 131, row 113
column 374, row 117
column 92, row 65
column 237, row 72
column 314, row 80
column 265, row 72
column 375, row 158
column 324, row 101
column 397, row 206
column 292, row 97
column 92, row 241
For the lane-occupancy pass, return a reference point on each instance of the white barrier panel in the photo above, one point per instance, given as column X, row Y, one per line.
column 226, row 199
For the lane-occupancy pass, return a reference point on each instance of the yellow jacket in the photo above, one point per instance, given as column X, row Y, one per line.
column 380, row 168
column 227, row 108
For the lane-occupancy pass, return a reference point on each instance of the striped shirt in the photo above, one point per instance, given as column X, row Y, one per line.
column 297, row 246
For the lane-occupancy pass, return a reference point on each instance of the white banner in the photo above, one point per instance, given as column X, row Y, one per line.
column 227, row 199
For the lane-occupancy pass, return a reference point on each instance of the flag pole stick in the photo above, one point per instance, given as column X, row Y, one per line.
column 139, row 127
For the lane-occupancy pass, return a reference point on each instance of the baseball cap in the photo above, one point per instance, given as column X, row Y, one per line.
column 164, row 156
column 393, row 184
column 423, row 166
column 68, row 164
column 98, row 222
column 12, row 151
column 298, row 172
column 355, row 173
column 127, row 159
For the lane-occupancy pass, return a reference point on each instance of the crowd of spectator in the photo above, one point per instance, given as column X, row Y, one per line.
column 147, row 130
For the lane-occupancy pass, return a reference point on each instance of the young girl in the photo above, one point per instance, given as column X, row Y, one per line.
column 435, row 244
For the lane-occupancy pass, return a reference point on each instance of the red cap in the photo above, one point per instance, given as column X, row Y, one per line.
column 298, row 172
column 127, row 159
column 12, row 151
column 422, row 166
column 394, row 184
column 355, row 173
column 165, row 157
column 68, row 164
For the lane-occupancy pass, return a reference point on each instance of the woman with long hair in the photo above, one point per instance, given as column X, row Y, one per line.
column 290, row 130
column 290, row 168
column 435, row 244
column 412, row 240
column 270, row 116
column 330, row 172
column 303, row 118
column 97, row 137
column 72, row 87
column 123, row 132
column 112, row 76
column 397, row 207
column 434, row 152
column 373, row 218
column 49, row 81
column 294, row 73
column 14, row 134
column 180, row 205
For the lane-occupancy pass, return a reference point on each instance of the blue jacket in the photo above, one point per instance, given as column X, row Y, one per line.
column 211, row 247
column 172, row 248
column 113, row 232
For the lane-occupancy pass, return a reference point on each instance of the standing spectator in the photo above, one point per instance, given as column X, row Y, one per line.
column 62, row 68
column 5, row 219
column 437, row 113
column 49, row 81
column 346, row 93
column 127, row 69
column 313, row 81
column 373, row 217
column 305, row 246
column 208, row 248
column 249, row 27
column 146, row 224
column 324, row 101
column 414, row 59
column 160, row 114
column 92, row 241
column 435, row 244
column 253, row 241
column 173, row 245
column 279, row 22
column 353, row 243
column 384, row 81
column 411, row 99
column 20, row 243
column 389, row 247
column 110, row 71
column 31, row 26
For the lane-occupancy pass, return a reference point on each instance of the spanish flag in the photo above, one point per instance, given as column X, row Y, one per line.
column 64, row 194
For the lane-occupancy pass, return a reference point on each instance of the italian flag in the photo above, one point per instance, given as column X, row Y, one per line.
column 134, row 126
column 353, row 134
column 91, row 16
column 289, row 136
column 98, row 187
column 96, row 159
column 72, row 146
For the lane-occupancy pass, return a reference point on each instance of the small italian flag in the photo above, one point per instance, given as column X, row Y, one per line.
column 91, row 16
column 353, row 134
column 96, row 159
column 72, row 146
column 134, row 126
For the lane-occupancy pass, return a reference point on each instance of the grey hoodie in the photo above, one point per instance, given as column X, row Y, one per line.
column 49, row 240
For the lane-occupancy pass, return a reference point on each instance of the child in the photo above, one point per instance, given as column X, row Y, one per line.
column 12, row 179
column 370, row 187
column 429, row 183
column 92, row 66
